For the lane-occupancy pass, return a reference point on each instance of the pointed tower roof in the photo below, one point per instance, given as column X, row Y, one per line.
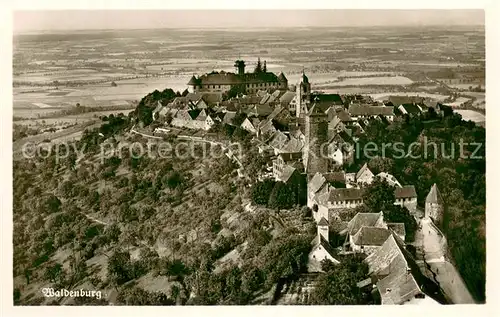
column 323, row 222
column 192, row 81
column 316, row 111
column 434, row 196
column 304, row 78
column 281, row 77
column 362, row 170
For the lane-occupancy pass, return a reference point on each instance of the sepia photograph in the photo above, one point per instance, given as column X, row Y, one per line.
column 248, row 157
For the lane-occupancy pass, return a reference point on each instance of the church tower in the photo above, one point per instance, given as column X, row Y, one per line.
column 316, row 137
column 303, row 95
column 434, row 205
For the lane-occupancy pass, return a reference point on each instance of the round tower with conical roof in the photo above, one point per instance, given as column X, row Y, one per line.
column 434, row 206
column 193, row 84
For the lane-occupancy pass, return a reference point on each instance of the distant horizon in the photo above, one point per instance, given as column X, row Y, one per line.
column 48, row 31
column 101, row 20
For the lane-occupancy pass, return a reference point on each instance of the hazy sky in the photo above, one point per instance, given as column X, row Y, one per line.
column 122, row 19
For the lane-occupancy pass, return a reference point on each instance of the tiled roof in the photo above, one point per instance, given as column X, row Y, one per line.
column 179, row 102
column 228, row 117
column 389, row 178
column 322, row 197
column 228, row 78
column 365, row 110
column 364, row 219
column 287, row 173
column 398, row 287
column 411, row 108
column 362, row 170
column 399, row 100
column 335, row 177
column 323, row 222
column 275, row 112
column 343, row 194
column 270, row 98
column 290, row 156
column 326, row 245
column 287, row 97
column 248, row 99
column 282, row 78
column 372, row 236
column 334, row 122
column 194, row 96
column 398, row 228
column 343, row 115
column 338, row 226
column 386, row 259
column 316, row 182
column 221, row 78
column 183, row 115
column 330, row 98
column 260, row 110
column 202, row 116
column 255, row 122
column 193, row 81
column 407, row 191
column 259, row 77
column 266, row 126
column 346, row 137
column 293, row 145
column 434, row 196
column 315, row 111
column 401, row 278
column 265, row 99
column 278, row 140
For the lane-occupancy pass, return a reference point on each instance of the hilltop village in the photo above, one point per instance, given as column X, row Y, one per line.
column 309, row 141
column 270, row 198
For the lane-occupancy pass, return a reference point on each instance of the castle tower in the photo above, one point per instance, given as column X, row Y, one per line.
column 193, row 84
column 303, row 95
column 316, row 136
column 283, row 82
column 434, row 205
column 323, row 229
column 240, row 66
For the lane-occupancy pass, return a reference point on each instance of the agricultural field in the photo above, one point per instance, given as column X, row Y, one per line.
column 116, row 68
column 471, row 115
column 437, row 97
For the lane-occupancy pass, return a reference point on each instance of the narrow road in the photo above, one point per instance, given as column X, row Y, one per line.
column 433, row 245
column 144, row 134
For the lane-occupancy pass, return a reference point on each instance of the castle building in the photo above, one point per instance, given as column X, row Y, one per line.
column 434, row 205
column 223, row 81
